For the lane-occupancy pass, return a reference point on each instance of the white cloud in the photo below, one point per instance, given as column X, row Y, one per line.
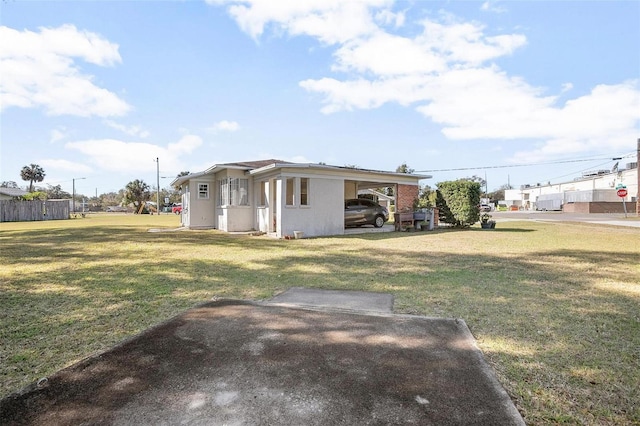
column 387, row 17
column 39, row 69
column 448, row 72
column 331, row 21
column 226, row 126
column 387, row 54
column 492, row 6
column 64, row 165
column 58, row 134
column 124, row 157
column 129, row 130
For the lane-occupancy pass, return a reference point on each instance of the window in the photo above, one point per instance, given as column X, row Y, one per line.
column 304, row 191
column 233, row 192
column 263, row 193
column 203, row 191
column 223, row 192
column 290, row 191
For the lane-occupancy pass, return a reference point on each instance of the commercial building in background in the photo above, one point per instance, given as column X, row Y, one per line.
column 593, row 192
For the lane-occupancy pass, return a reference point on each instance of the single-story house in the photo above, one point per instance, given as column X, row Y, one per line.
column 280, row 198
column 11, row 193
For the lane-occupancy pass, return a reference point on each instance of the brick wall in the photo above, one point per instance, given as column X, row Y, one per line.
column 405, row 195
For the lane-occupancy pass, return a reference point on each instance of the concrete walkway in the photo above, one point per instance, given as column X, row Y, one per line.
column 234, row 362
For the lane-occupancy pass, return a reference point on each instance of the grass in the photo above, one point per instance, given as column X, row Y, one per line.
column 554, row 307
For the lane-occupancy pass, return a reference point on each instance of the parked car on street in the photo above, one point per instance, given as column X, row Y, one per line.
column 360, row 211
column 177, row 209
column 112, row 209
column 485, row 207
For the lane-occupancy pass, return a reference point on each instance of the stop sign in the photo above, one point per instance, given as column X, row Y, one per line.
column 622, row 193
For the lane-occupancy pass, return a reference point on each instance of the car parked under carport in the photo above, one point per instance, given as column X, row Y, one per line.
column 361, row 211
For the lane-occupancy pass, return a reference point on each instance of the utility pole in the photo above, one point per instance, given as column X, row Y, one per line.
column 158, row 185
column 73, row 199
column 638, row 187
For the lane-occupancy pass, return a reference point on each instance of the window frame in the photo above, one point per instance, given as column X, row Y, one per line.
column 206, row 192
column 304, row 195
column 230, row 192
column 290, row 191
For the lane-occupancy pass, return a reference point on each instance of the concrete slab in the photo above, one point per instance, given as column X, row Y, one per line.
column 241, row 363
column 341, row 299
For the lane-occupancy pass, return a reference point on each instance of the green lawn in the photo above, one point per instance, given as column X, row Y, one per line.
column 554, row 307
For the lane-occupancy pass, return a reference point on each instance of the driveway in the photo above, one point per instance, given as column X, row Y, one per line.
column 235, row 362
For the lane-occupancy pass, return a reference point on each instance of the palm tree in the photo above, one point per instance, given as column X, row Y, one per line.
column 32, row 173
column 137, row 192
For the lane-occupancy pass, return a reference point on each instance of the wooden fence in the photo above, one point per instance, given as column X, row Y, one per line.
column 22, row 211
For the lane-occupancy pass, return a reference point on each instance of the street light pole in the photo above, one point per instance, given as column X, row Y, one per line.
column 158, row 185
column 73, row 200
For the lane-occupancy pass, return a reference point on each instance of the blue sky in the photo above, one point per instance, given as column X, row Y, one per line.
column 98, row 90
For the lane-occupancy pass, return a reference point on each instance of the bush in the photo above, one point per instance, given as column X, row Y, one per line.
column 458, row 202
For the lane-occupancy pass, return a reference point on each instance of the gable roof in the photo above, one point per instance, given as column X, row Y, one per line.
column 13, row 192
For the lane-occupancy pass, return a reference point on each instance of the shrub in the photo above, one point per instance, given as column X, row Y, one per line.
column 458, row 202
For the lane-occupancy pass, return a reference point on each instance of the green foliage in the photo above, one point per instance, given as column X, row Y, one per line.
column 56, row 192
column 8, row 184
column 403, row 168
column 137, row 192
column 459, row 199
column 426, row 198
column 32, row 173
column 36, row 195
column 444, row 213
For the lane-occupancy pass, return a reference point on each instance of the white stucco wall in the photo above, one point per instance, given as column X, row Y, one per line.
column 201, row 211
column 235, row 218
column 323, row 216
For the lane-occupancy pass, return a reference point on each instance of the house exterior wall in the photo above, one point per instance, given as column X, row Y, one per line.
column 323, row 216
column 231, row 218
column 201, row 210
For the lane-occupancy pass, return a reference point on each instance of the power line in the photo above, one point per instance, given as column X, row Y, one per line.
column 518, row 165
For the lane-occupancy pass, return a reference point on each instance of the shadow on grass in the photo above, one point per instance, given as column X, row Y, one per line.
column 552, row 322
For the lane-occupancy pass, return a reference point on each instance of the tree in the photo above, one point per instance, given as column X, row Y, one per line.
column 137, row 192
column 426, row 197
column 498, row 194
column 8, row 184
column 56, row 192
column 403, row 168
column 481, row 181
column 32, row 173
column 35, row 195
column 458, row 202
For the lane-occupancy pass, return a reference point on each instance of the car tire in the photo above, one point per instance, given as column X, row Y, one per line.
column 379, row 221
